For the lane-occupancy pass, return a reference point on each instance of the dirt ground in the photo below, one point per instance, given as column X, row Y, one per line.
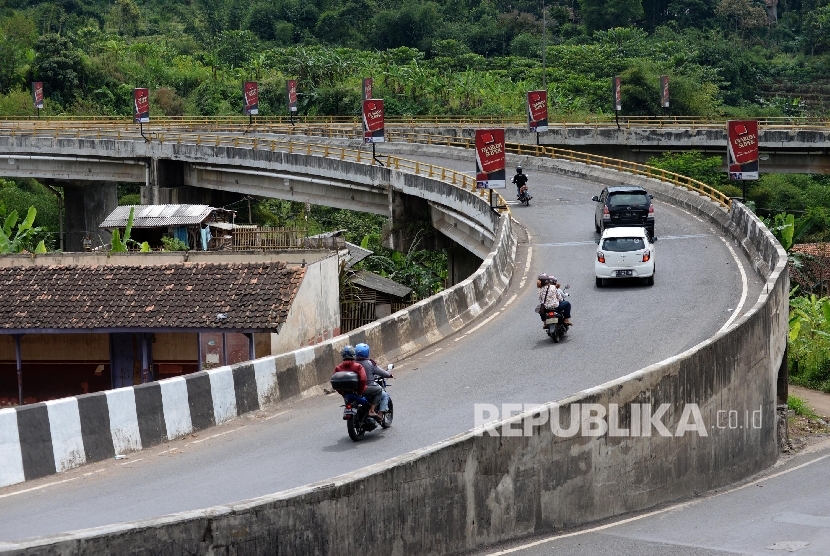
column 804, row 430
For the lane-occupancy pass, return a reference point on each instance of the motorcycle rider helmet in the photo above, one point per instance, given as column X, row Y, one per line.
column 348, row 353
column 362, row 351
column 518, row 169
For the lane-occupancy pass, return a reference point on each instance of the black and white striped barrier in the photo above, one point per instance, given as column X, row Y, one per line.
column 46, row 438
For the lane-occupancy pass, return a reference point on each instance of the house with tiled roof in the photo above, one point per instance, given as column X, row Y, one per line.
column 72, row 323
column 812, row 270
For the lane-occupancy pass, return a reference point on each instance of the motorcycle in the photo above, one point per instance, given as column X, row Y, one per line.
column 356, row 407
column 555, row 324
column 524, row 195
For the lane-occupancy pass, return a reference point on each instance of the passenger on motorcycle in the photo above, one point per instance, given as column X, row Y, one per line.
column 551, row 297
column 350, row 365
column 374, row 393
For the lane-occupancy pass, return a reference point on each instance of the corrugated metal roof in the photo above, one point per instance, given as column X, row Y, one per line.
column 158, row 216
column 377, row 282
column 356, row 254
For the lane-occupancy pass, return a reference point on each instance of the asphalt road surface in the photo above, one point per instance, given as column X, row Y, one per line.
column 505, row 358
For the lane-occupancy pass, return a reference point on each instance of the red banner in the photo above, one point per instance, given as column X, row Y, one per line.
column 742, row 153
column 616, row 89
column 664, row 91
column 490, row 159
column 537, row 111
column 250, row 95
column 141, row 105
column 373, row 120
column 37, row 94
column 291, row 89
column 367, row 88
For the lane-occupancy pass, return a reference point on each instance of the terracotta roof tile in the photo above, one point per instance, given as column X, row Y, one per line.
column 184, row 295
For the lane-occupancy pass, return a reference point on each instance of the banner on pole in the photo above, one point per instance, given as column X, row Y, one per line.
column 664, row 91
column 537, row 111
column 37, row 94
column 141, row 105
column 616, row 89
column 250, row 95
column 490, row 159
column 291, row 88
column 373, row 123
column 367, row 88
column 742, row 152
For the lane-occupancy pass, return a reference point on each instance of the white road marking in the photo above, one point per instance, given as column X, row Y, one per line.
column 133, row 461
column 527, row 263
column 433, row 351
column 268, row 418
column 37, row 487
column 657, row 512
column 221, row 433
column 662, row 238
column 744, row 286
column 509, row 301
column 479, row 325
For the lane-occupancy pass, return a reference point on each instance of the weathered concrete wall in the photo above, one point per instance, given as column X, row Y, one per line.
column 315, row 313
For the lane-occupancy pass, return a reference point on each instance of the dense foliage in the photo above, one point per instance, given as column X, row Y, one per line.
column 427, row 56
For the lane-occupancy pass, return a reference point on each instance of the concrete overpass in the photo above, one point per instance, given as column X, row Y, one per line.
column 470, row 491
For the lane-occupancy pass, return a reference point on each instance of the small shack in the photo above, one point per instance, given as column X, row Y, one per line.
column 200, row 227
column 367, row 296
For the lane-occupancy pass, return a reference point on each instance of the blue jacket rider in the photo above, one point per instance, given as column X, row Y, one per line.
column 373, row 392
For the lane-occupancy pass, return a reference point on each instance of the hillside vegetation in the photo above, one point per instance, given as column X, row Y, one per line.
column 724, row 57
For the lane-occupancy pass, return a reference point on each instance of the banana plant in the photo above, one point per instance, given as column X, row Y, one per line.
column 119, row 245
column 16, row 243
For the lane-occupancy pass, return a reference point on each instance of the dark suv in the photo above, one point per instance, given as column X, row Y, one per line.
column 624, row 205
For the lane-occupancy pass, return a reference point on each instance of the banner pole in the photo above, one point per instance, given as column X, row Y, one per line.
column 617, row 118
column 374, row 157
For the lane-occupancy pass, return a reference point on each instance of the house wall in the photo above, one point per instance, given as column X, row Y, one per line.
column 315, row 313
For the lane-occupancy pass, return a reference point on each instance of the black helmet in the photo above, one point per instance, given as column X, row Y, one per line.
column 518, row 169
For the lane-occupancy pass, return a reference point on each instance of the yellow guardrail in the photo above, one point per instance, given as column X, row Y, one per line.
column 359, row 156
column 262, row 123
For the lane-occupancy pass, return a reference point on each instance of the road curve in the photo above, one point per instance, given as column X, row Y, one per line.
column 505, row 359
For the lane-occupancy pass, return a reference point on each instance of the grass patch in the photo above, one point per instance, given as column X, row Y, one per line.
column 800, row 407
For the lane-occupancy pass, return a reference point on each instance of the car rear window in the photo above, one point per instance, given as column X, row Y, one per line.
column 622, row 244
column 619, row 199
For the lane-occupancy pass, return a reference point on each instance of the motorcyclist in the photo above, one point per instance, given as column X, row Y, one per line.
column 520, row 179
column 350, row 365
column 372, row 372
column 551, row 297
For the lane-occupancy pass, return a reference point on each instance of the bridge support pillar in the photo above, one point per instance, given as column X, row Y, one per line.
column 87, row 205
column 166, row 185
column 411, row 221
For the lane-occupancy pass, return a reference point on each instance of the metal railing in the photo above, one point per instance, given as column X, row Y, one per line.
column 413, row 166
column 240, row 123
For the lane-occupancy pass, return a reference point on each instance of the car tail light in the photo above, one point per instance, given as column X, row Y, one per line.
column 651, row 210
column 601, row 256
column 605, row 212
column 646, row 256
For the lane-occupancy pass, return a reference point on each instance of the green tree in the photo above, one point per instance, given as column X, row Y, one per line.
column 127, row 17
column 59, row 66
column 16, row 240
column 604, row 14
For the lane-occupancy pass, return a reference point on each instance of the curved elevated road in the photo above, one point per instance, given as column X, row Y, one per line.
column 506, row 358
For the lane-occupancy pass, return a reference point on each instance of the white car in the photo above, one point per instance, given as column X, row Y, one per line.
column 625, row 252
